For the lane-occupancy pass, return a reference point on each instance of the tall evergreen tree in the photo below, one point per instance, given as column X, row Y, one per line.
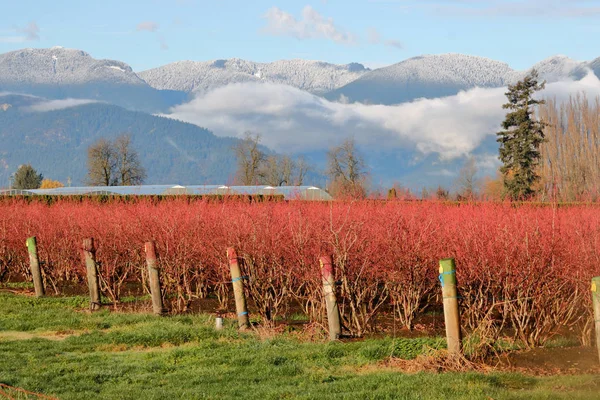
column 27, row 177
column 521, row 138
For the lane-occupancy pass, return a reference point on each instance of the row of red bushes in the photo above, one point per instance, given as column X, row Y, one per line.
column 523, row 268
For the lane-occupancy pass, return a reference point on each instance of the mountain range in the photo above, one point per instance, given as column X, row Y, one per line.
column 113, row 98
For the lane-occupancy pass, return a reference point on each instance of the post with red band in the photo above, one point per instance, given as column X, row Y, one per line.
column 333, row 313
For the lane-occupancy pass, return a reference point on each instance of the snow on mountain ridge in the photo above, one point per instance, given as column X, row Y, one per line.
column 446, row 68
column 314, row 76
column 59, row 65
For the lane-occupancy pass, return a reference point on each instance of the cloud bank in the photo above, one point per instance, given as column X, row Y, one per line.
column 291, row 120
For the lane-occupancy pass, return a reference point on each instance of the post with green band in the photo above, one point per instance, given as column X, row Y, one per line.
column 450, row 298
column 237, row 281
column 34, row 264
column 596, row 303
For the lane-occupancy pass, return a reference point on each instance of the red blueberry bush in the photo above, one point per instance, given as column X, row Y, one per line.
column 522, row 268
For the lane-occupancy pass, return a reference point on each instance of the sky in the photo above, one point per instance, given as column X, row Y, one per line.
column 150, row 33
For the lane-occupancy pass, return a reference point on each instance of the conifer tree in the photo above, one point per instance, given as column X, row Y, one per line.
column 521, row 138
column 27, row 177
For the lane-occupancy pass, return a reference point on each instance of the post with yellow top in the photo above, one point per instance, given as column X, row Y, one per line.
column 450, row 298
column 237, row 280
column 34, row 265
column 596, row 303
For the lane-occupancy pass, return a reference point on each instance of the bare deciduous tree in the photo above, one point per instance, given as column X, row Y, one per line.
column 129, row 169
column 257, row 168
column 570, row 158
column 347, row 170
column 249, row 160
column 466, row 180
column 114, row 163
column 101, row 163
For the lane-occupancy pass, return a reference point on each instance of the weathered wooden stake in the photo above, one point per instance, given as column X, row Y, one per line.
column 237, row 281
column 34, row 264
column 596, row 303
column 154, row 278
column 89, row 252
column 333, row 313
column 450, row 297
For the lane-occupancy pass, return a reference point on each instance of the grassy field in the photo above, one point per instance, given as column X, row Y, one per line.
column 51, row 346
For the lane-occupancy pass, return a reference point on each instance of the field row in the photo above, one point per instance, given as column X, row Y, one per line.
column 521, row 269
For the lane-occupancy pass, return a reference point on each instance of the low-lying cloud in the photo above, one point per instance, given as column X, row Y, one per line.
column 291, row 120
column 53, row 105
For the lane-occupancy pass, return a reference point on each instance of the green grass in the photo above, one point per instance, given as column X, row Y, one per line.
column 130, row 356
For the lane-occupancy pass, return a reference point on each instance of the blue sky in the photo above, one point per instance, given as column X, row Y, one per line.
column 149, row 33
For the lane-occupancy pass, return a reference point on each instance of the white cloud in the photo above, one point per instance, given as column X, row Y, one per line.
column 291, row 120
column 312, row 25
column 394, row 43
column 52, row 105
column 149, row 26
column 27, row 33
column 374, row 37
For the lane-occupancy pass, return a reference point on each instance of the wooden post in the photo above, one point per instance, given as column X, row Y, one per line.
column 34, row 264
column 89, row 252
column 450, row 298
column 154, row 278
column 333, row 313
column 596, row 303
column 237, row 281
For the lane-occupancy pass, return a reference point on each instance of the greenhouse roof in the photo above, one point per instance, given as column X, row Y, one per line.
column 288, row 192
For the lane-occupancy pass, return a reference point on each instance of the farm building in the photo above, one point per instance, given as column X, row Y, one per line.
column 288, row 192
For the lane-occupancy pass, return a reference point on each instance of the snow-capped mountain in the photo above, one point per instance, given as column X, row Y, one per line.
column 556, row 68
column 60, row 73
column 433, row 76
column 59, row 65
column 313, row 76
column 427, row 76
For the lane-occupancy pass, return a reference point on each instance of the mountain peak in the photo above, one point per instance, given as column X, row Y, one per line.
column 314, row 76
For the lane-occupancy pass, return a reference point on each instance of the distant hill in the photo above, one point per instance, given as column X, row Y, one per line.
column 313, row 76
column 56, row 142
column 59, row 73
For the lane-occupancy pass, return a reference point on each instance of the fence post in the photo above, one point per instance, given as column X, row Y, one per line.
column 333, row 313
column 91, row 266
column 596, row 303
column 237, row 281
column 34, row 264
column 450, row 298
column 154, row 278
